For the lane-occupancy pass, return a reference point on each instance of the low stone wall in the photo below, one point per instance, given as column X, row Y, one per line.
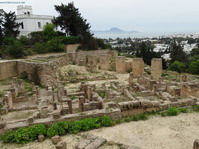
column 189, row 90
column 8, row 69
column 141, row 105
column 115, row 114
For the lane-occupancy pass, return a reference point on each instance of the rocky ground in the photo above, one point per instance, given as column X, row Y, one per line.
column 177, row 132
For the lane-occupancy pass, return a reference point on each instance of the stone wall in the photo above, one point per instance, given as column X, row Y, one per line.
column 8, row 69
column 105, row 62
column 120, row 64
column 138, row 66
column 188, row 90
column 156, row 68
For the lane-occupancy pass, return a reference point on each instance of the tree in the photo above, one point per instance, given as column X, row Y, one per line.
column 178, row 66
column 177, row 53
column 1, row 23
column 10, row 27
column 49, row 32
column 71, row 21
column 194, row 67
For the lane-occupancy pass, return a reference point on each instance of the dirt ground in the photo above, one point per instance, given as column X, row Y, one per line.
column 177, row 132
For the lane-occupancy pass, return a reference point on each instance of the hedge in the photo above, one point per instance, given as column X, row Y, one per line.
column 25, row 135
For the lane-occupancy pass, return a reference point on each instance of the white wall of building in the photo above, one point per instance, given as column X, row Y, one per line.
column 30, row 22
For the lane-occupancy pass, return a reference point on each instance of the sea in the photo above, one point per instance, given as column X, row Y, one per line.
column 144, row 35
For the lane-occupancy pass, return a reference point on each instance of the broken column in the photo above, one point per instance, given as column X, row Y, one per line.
column 156, row 68
column 105, row 62
column 81, row 103
column 138, row 67
column 120, row 64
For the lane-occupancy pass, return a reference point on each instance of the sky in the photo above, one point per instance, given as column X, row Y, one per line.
column 130, row 15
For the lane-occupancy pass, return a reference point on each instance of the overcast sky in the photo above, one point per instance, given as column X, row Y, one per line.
column 139, row 15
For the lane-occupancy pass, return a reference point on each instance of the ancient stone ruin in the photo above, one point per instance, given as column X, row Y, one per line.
column 108, row 88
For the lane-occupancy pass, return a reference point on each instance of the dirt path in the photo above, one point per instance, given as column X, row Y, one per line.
column 156, row 133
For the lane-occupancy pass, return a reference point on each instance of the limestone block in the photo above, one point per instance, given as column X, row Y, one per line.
column 156, row 68
column 96, row 143
column 40, row 138
column 61, row 145
column 56, row 114
column 56, row 139
column 138, row 66
column 2, row 124
column 120, row 64
column 31, row 119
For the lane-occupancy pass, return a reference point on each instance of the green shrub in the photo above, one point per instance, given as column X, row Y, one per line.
column 36, row 130
column 172, row 112
column 142, row 117
column 15, row 50
column 75, row 127
column 127, row 119
column 90, row 123
column 196, row 108
column 106, row 121
column 21, row 136
column 178, row 66
column 55, row 45
column 59, row 128
column 40, row 47
column 163, row 114
column 102, row 94
column 8, row 137
column 183, row 110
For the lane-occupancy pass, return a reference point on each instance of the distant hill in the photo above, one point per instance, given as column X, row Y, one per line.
column 114, row 30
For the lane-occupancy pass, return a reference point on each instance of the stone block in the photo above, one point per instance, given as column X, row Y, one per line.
column 61, row 145
column 56, row 139
column 56, row 115
column 156, row 68
column 2, row 124
column 96, row 143
column 31, row 119
column 120, row 64
column 40, row 138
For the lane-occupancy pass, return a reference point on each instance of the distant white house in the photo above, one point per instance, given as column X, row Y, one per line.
column 30, row 22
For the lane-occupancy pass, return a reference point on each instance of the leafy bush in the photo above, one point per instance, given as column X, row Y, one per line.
column 84, row 125
column 102, row 94
column 172, row 112
column 59, row 128
column 196, row 108
column 8, row 137
column 178, row 66
column 71, row 40
column 40, row 47
column 36, row 130
column 183, row 110
column 13, row 48
column 55, row 45
column 22, row 136
column 106, row 121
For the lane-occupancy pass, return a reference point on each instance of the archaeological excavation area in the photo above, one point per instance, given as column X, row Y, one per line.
column 45, row 89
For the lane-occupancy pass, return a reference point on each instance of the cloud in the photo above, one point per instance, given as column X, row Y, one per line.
column 142, row 15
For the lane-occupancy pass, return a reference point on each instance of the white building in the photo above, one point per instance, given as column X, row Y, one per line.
column 30, row 22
